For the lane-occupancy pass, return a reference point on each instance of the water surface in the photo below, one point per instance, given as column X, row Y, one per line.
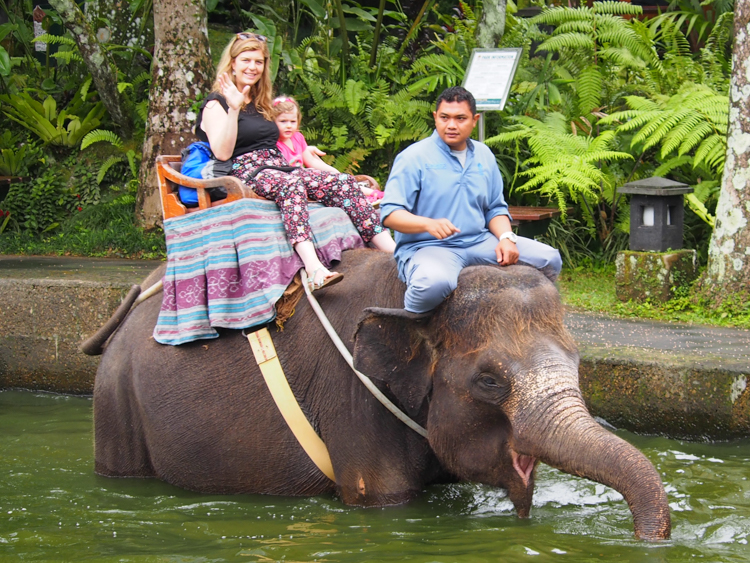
column 54, row 508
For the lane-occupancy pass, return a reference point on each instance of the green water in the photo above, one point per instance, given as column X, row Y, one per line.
column 54, row 508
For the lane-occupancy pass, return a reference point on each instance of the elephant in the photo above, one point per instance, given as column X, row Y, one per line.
column 492, row 374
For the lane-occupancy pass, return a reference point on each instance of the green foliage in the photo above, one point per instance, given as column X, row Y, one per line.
column 101, row 135
column 65, row 128
column 598, row 64
column 563, row 167
column 697, row 23
column 17, row 155
column 595, row 44
column 579, row 245
column 690, row 128
column 14, row 162
column 446, row 65
column 590, row 287
column 37, row 205
column 126, row 154
column 107, row 229
column 5, row 64
column 693, row 120
column 372, row 114
column 362, row 117
column 43, row 202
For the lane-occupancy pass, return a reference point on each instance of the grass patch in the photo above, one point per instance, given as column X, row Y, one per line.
column 130, row 243
column 592, row 290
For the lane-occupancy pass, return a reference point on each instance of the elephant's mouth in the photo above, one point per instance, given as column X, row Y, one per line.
column 524, row 465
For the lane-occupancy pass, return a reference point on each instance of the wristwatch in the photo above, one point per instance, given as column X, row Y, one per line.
column 510, row 235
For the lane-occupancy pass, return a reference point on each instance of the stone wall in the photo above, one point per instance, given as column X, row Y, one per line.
column 680, row 398
column 42, row 323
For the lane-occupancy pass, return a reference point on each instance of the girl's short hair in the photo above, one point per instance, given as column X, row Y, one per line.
column 262, row 91
column 284, row 104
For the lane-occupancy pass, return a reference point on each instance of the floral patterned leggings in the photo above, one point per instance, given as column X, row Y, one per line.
column 291, row 190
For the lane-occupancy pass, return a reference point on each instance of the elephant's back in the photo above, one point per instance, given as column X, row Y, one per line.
column 200, row 416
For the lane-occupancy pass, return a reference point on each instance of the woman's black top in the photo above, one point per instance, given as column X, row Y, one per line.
column 254, row 132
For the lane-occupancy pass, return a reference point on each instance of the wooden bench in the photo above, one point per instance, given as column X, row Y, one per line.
column 531, row 221
column 168, row 172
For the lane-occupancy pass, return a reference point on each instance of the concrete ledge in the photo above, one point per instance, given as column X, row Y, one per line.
column 690, row 397
column 42, row 323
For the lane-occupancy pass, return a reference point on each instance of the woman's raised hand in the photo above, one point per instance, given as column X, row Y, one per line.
column 231, row 94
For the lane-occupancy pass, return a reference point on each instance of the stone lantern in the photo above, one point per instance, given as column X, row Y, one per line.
column 657, row 213
column 655, row 266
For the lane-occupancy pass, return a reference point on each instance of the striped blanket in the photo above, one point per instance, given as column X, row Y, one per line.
column 228, row 266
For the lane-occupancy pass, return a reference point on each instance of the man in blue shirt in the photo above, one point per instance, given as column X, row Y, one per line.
column 444, row 198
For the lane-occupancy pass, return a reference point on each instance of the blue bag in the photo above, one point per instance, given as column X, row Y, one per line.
column 199, row 162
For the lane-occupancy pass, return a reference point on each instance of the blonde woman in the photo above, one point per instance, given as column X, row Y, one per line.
column 236, row 120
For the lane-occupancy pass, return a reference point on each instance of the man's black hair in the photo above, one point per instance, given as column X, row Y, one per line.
column 457, row 94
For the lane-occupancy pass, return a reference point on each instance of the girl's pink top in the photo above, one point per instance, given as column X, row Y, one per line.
column 299, row 147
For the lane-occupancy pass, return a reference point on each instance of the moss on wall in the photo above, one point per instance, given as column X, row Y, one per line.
column 654, row 276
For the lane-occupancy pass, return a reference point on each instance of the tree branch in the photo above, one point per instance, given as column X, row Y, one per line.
column 98, row 62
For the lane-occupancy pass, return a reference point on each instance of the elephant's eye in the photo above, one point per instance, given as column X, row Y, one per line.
column 492, row 387
column 488, row 380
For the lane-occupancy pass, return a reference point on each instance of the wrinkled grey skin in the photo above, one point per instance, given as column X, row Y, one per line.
column 492, row 375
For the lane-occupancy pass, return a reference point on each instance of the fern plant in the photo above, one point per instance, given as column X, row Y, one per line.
column 448, row 55
column 690, row 129
column 698, row 24
column 563, row 167
column 693, row 120
column 70, row 53
column 126, row 154
column 362, row 118
column 595, row 42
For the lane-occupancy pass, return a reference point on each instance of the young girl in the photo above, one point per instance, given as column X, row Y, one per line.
column 292, row 144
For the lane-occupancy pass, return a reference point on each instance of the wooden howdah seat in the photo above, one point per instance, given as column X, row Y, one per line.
column 168, row 172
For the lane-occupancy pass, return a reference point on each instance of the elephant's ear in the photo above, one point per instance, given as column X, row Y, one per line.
column 393, row 346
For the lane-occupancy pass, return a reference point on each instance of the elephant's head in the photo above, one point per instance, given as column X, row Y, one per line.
column 494, row 374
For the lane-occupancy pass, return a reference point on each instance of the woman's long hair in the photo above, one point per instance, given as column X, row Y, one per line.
column 261, row 93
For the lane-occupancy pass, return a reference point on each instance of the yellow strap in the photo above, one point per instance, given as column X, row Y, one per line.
column 270, row 367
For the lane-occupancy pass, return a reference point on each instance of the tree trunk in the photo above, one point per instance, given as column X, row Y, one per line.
column 121, row 26
column 182, row 69
column 98, row 62
column 727, row 277
column 492, row 25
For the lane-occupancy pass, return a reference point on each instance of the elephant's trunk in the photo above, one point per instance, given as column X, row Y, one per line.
column 555, row 426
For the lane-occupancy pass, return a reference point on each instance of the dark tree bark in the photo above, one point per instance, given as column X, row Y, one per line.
column 492, row 25
column 98, row 62
column 182, row 69
column 727, row 277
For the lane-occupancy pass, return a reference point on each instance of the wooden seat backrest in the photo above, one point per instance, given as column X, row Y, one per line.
column 168, row 173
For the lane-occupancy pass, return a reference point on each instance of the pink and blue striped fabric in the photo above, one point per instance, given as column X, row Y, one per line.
column 228, row 266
